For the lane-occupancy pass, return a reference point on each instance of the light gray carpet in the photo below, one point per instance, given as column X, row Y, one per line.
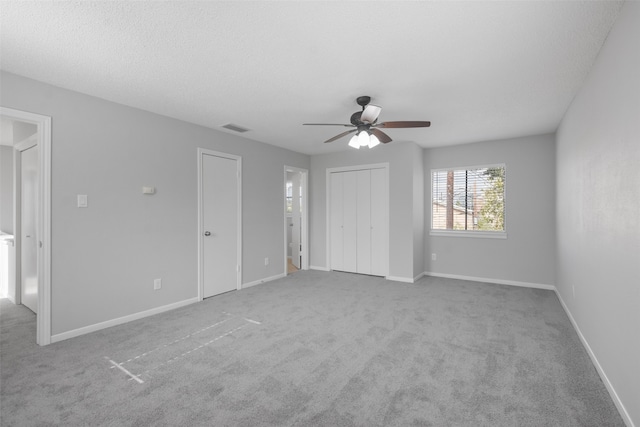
column 330, row 349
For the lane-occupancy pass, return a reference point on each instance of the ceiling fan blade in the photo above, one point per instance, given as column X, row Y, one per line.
column 327, row 124
column 382, row 137
column 370, row 113
column 341, row 135
column 403, row 125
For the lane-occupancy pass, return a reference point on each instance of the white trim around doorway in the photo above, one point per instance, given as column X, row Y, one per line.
column 304, row 233
column 43, row 123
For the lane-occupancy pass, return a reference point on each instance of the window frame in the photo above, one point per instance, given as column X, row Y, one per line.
column 483, row 234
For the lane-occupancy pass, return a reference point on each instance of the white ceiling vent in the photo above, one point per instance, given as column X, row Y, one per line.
column 235, row 128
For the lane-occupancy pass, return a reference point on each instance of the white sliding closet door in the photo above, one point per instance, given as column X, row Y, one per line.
column 337, row 238
column 379, row 222
column 363, row 237
column 358, row 221
column 350, row 221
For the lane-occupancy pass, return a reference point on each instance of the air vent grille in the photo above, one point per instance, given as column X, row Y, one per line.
column 235, row 128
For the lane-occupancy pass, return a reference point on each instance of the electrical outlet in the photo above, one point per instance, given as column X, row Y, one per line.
column 157, row 284
column 82, row 201
column 433, row 257
column 266, row 261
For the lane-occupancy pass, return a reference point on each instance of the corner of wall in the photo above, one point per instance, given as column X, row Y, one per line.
column 596, row 193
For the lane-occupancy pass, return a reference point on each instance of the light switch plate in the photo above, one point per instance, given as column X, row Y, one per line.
column 82, row 201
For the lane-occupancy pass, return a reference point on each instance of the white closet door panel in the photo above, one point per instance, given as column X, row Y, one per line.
column 379, row 222
column 337, row 241
column 363, row 179
column 350, row 222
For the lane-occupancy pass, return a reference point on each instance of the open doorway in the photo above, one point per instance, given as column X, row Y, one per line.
column 296, row 220
column 25, row 217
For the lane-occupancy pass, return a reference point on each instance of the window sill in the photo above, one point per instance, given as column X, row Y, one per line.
column 474, row 234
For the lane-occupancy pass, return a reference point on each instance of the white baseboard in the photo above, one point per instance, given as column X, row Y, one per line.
column 418, row 277
column 489, row 280
column 120, row 320
column 315, row 267
column 260, row 281
column 400, row 279
column 612, row 392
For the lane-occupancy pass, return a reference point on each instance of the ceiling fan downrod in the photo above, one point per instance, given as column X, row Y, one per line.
column 363, row 101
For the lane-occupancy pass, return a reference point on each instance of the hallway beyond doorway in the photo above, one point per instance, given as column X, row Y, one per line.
column 290, row 267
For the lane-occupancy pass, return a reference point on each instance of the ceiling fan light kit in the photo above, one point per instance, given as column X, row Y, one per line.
column 363, row 139
column 366, row 124
column 373, row 141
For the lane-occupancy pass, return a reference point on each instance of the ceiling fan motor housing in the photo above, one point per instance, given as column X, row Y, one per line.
column 355, row 118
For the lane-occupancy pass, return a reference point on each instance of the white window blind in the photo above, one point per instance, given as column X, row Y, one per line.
column 470, row 199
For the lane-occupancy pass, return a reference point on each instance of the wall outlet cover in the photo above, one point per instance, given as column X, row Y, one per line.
column 83, row 201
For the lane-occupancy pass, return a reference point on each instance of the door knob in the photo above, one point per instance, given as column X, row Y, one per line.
column 207, row 233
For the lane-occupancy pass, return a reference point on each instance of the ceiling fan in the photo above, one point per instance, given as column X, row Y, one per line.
column 367, row 127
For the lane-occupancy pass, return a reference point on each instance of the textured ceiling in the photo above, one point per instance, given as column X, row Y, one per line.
column 477, row 70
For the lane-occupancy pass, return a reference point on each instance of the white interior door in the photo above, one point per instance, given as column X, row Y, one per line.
column 28, row 228
column 220, row 224
column 296, row 219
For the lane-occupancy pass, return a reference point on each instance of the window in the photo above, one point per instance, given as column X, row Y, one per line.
column 289, row 196
column 468, row 200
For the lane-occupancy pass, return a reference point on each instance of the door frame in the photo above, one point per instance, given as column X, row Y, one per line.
column 43, row 221
column 201, row 153
column 329, row 171
column 304, row 232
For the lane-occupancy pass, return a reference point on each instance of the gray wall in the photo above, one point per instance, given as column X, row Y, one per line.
column 598, row 208
column 528, row 253
column 106, row 256
column 401, row 234
column 6, row 189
